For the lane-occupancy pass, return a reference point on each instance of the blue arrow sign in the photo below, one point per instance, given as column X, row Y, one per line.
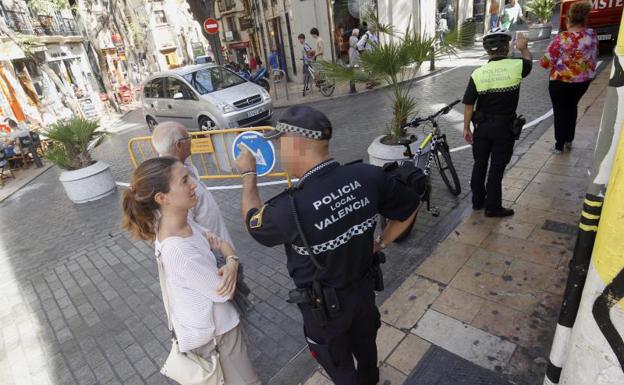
column 262, row 149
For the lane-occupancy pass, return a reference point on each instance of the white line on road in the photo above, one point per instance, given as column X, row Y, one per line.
column 231, row 187
column 528, row 125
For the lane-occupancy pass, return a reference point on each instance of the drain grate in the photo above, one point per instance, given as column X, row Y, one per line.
column 559, row 227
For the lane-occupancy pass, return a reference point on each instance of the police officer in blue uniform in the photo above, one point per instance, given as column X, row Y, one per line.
column 326, row 223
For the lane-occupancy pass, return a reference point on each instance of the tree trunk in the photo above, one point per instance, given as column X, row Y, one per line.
column 69, row 94
column 201, row 10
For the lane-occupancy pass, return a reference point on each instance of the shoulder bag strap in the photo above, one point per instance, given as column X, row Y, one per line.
column 293, row 209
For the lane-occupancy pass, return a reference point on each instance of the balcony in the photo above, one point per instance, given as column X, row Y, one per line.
column 56, row 25
column 42, row 25
column 18, row 22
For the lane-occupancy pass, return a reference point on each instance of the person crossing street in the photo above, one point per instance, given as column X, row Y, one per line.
column 495, row 90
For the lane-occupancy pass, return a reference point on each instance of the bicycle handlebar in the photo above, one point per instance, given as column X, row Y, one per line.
column 431, row 118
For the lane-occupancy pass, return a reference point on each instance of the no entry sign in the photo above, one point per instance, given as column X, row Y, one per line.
column 211, row 26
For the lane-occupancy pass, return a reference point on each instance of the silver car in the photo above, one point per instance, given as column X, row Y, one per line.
column 204, row 97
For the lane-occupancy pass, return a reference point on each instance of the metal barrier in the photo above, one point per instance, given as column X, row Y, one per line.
column 211, row 164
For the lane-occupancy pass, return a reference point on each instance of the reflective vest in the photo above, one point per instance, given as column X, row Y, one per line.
column 498, row 76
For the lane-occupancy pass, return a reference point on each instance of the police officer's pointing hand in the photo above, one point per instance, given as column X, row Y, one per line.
column 245, row 160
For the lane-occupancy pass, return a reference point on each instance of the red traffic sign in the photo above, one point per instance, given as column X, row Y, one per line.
column 211, row 26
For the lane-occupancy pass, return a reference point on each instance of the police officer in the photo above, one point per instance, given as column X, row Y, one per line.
column 495, row 89
column 327, row 223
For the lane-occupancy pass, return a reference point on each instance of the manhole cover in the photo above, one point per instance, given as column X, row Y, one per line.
column 560, row 227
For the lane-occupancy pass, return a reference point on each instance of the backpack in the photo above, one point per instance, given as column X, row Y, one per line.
column 410, row 175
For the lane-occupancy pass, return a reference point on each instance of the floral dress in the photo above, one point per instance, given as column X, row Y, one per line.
column 572, row 56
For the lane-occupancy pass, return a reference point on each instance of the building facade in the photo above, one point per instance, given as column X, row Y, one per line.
column 45, row 74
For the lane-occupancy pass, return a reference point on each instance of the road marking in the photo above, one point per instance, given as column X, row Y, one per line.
column 528, row 125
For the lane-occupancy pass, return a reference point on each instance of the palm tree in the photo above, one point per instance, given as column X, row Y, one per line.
column 396, row 62
column 72, row 142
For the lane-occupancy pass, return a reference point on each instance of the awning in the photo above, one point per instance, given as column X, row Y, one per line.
column 244, row 44
column 10, row 51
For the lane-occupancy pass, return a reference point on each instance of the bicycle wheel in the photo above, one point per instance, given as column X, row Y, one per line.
column 447, row 169
column 327, row 86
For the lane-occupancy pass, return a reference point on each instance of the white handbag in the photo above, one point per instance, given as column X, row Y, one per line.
column 187, row 368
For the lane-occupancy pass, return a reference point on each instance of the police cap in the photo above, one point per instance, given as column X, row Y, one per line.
column 303, row 121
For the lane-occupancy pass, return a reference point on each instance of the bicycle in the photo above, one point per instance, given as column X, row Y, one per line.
column 325, row 85
column 438, row 152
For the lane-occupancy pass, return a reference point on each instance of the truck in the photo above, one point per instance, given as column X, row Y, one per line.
column 604, row 18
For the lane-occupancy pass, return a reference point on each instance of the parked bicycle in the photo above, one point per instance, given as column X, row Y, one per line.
column 433, row 148
column 316, row 77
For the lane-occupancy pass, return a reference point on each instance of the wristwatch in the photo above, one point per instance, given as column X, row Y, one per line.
column 380, row 242
column 234, row 257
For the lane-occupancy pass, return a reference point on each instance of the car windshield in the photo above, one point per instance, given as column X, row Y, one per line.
column 212, row 79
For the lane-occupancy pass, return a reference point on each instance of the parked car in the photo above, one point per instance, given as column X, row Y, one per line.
column 204, row 97
column 204, row 59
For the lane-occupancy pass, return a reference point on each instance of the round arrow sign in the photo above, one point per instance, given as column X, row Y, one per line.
column 211, row 26
column 262, row 149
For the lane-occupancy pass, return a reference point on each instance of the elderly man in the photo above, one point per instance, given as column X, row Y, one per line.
column 172, row 139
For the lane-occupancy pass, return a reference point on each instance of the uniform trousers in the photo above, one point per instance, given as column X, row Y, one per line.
column 233, row 357
column 565, row 97
column 492, row 143
column 350, row 334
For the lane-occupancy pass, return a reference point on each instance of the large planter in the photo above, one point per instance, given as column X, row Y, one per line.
column 88, row 183
column 539, row 31
column 380, row 154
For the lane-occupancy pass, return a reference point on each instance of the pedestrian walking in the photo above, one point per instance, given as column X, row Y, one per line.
column 494, row 14
column 571, row 58
column 495, row 89
column 318, row 44
column 156, row 209
column 327, row 224
column 354, row 53
column 173, row 140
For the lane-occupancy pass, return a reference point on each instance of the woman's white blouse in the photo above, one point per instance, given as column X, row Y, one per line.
column 198, row 313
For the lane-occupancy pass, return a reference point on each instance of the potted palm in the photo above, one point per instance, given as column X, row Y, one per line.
column 396, row 61
column 84, row 179
column 543, row 11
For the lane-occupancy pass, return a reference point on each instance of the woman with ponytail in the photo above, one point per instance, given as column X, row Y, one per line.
column 155, row 209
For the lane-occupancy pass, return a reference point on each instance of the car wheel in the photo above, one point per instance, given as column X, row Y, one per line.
column 206, row 124
column 151, row 124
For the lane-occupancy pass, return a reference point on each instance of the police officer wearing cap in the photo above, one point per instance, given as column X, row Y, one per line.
column 495, row 89
column 326, row 223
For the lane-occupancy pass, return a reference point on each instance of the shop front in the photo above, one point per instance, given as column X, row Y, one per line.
column 239, row 52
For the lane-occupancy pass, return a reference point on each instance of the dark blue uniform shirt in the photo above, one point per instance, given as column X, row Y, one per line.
column 337, row 207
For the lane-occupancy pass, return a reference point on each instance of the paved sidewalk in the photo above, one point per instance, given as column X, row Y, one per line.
column 483, row 307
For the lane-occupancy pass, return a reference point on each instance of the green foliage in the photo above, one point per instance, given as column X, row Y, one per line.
column 542, row 9
column 47, row 7
column 72, row 141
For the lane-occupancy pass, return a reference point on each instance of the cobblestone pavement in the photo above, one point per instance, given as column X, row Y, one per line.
column 81, row 302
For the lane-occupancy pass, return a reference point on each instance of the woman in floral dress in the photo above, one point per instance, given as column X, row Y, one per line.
column 571, row 58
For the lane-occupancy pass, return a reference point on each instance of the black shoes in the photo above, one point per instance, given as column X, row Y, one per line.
column 477, row 206
column 499, row 213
